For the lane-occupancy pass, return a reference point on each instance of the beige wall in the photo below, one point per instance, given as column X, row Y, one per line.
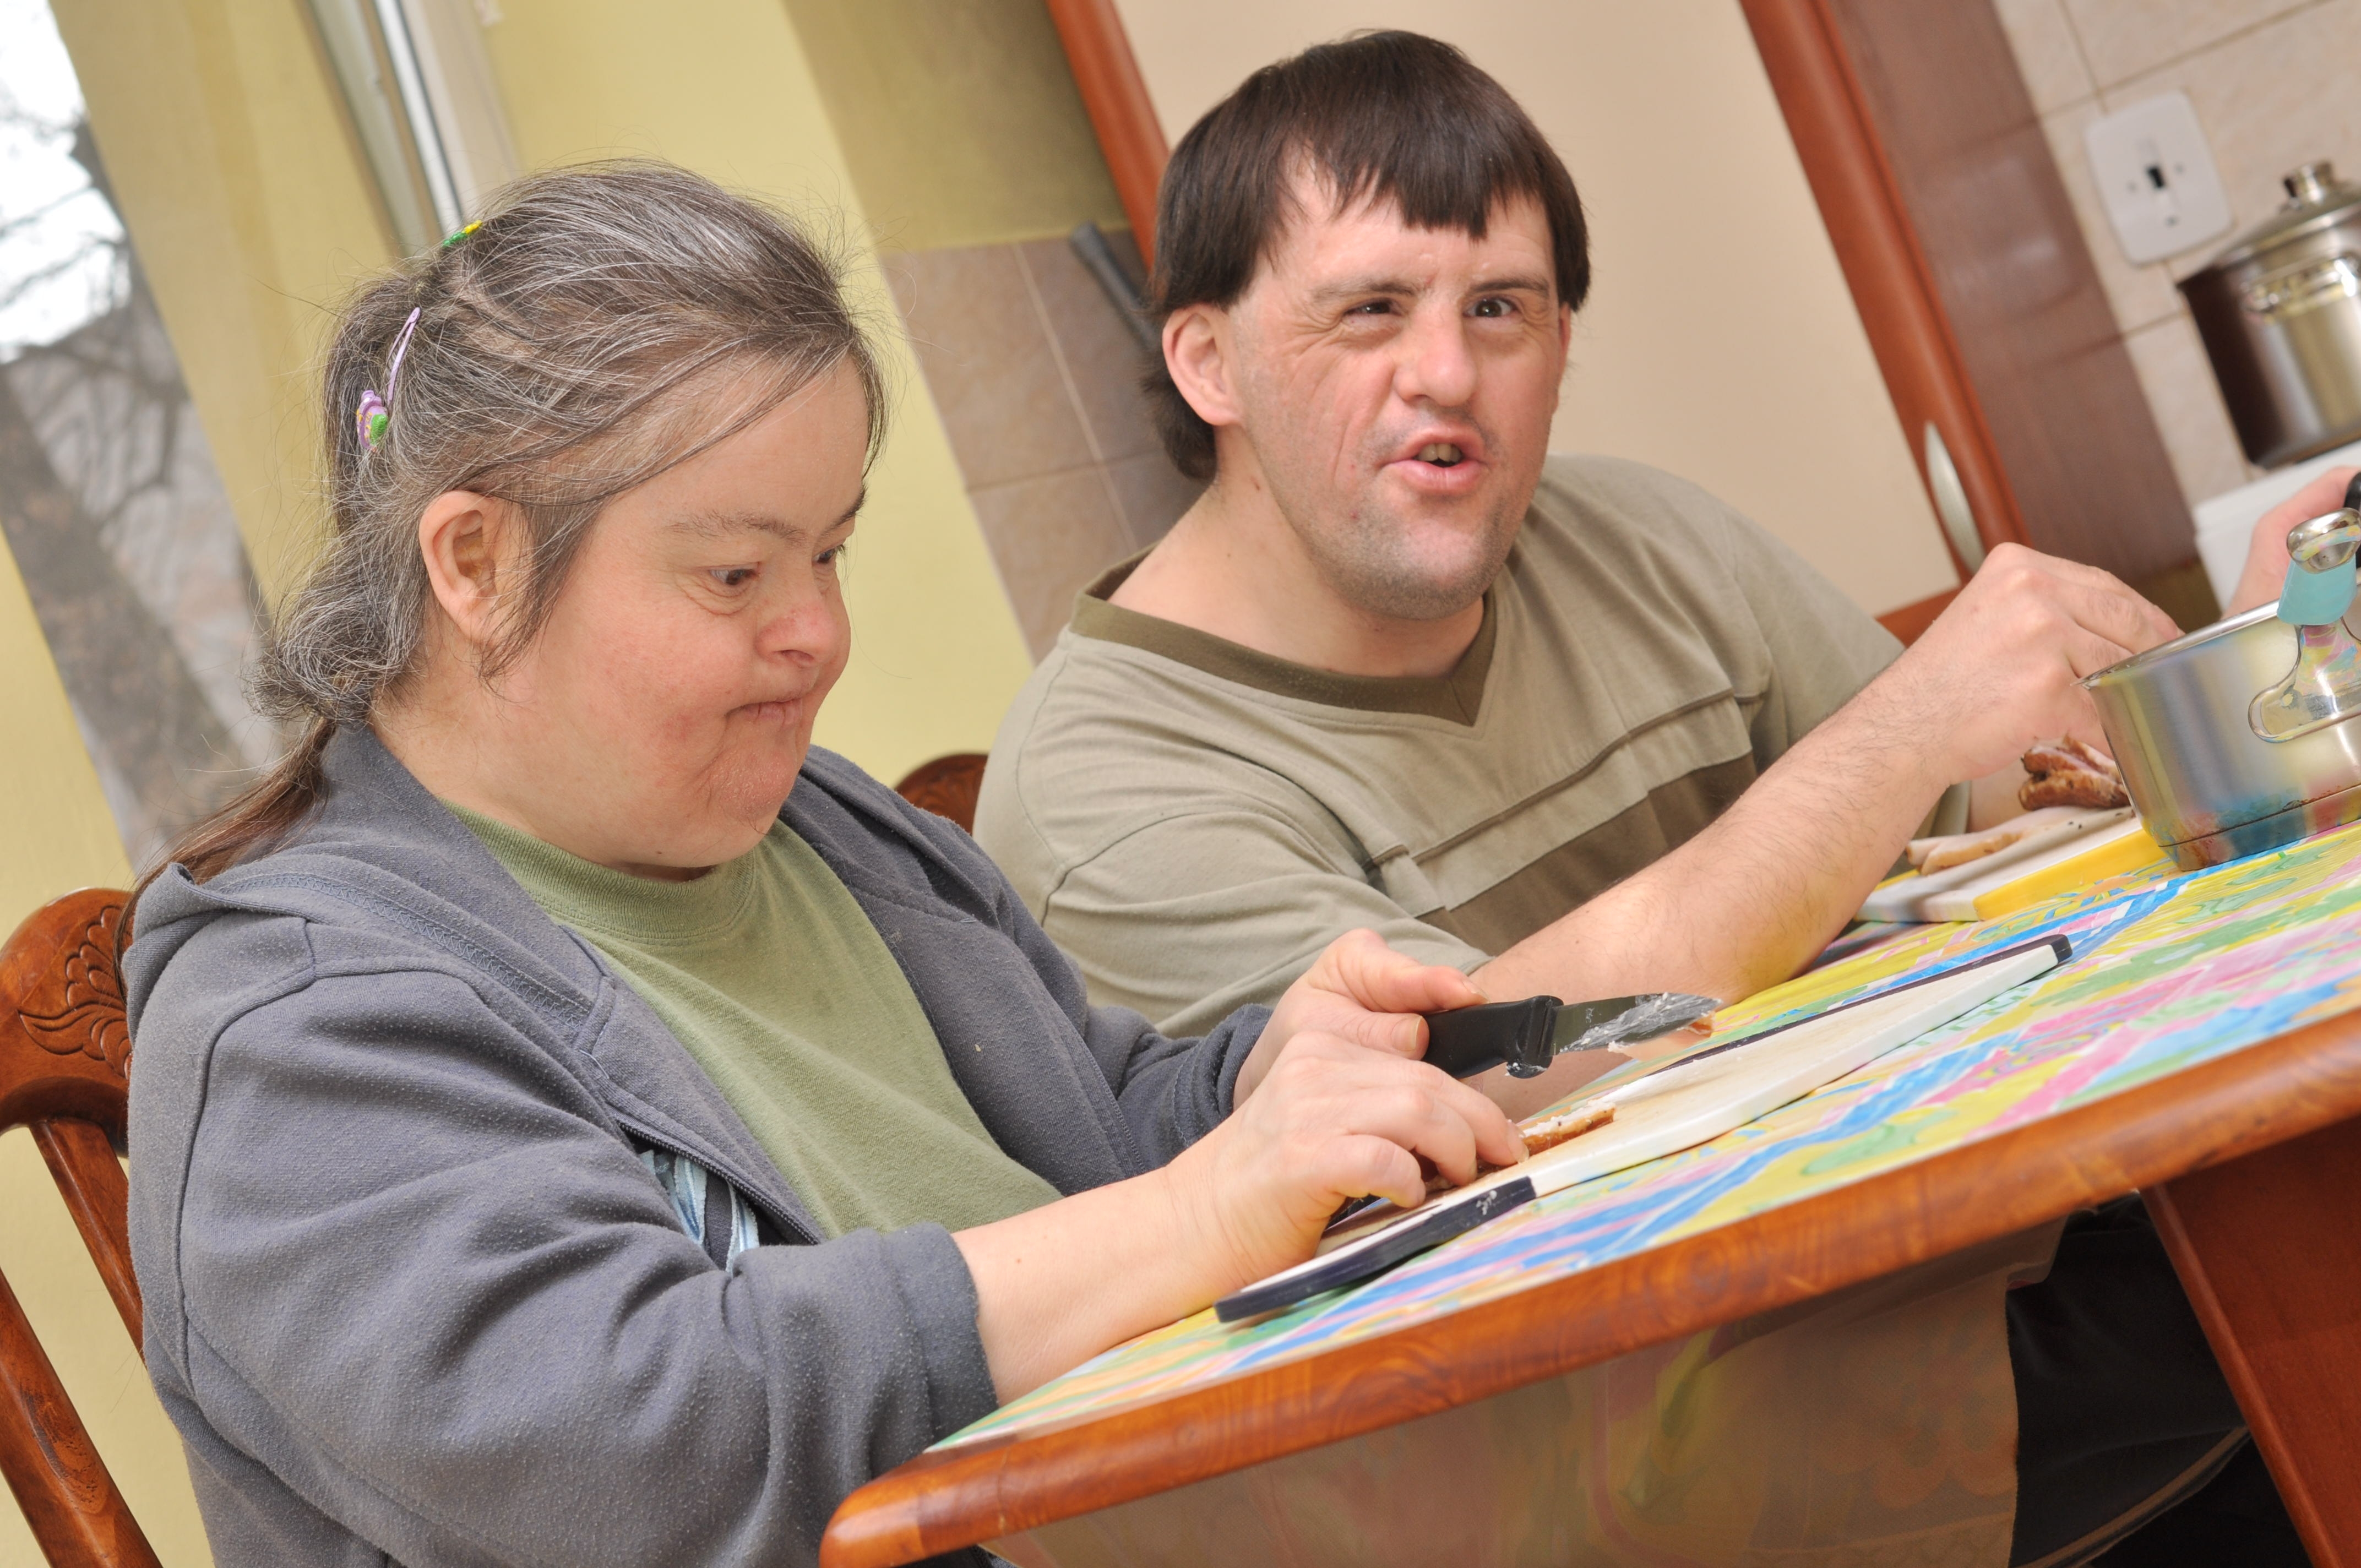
column 62, row 836
column 2272, row 84
column 960, row 124
column 974, row 161
column 1720, row 342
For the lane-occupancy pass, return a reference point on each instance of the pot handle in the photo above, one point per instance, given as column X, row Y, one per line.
column 2321, row 575
column 2324, row 686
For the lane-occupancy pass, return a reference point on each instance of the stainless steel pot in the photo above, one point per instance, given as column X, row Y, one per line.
column 2180, row 721
column 2280, row 314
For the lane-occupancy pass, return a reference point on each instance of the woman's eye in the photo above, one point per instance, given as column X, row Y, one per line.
column 731, row 576
column 829, row 556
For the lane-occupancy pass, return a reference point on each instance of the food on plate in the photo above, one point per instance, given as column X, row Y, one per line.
column 1928, row 856
column 2068, row 773
column 1932, row 855
column 2063, row 777
column 1542, row 1133
column 1548, row 1132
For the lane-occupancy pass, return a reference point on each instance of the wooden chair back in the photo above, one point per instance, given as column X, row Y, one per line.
column 65, row 1054
column 947, row 786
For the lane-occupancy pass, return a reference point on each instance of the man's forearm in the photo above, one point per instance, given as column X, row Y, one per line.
column 1751, row 899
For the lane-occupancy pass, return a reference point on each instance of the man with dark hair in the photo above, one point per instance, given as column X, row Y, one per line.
column 1575, row 726
column 1569, row 723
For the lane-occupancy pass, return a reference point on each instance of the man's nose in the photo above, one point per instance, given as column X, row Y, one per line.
column 1437, row 364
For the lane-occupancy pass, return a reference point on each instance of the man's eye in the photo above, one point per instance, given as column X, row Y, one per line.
column 829, row 556
column 731, row 576
column 1494, row 308
column 1373, row 308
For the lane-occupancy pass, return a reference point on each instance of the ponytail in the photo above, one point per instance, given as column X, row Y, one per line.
column 260, row 817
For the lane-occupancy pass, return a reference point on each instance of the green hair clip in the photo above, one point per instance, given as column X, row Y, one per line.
column 375, row 414
column 462, row 233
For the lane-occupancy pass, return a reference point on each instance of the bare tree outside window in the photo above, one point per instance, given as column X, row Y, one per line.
column 109, row 500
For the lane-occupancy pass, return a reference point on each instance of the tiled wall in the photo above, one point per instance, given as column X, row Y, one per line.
column 2274, row 85
column 1037, row 377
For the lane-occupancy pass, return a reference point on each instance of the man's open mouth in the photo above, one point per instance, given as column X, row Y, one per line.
column 1441, row 454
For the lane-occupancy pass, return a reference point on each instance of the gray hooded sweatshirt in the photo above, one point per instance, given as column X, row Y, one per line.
column 412, row 1295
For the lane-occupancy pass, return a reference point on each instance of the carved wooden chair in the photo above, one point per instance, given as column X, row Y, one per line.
column 64, row 1055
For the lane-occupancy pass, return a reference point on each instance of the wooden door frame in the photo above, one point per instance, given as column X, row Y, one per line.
column 1115, row 95
column 1877, row 248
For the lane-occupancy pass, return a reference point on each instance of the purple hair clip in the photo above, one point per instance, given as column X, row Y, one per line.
column 373, row 416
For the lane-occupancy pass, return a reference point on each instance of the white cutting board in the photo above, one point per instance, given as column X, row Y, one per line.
column 1951, row 894
column 1685, row 1105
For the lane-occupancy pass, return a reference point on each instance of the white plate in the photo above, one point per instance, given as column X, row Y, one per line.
column 1922, row 898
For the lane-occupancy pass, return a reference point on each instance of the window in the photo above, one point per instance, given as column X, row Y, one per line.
column 109, row 500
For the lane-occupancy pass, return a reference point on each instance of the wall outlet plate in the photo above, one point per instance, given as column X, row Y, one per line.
column 2156, row 176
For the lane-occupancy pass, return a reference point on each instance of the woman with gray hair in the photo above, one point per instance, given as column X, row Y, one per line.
column 574, row 1120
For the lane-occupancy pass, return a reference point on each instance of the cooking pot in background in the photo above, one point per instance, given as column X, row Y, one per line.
column 2246, row 735
column 2280, row 314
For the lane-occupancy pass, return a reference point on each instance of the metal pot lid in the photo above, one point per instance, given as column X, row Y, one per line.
column 2316, row 201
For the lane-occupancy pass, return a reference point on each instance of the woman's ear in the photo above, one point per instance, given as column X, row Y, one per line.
column 470, row 543
column 1198, row 351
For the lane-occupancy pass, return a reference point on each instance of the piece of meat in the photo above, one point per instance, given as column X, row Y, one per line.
column 1544, row 1133
column 2072, row 786
column 1932, row 855
column 2068, row 773
column 1548, row 1132
column 2056, row 756
column 1928, row 856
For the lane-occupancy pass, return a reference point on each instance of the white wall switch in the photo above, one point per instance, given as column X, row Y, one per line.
column 2156, row 176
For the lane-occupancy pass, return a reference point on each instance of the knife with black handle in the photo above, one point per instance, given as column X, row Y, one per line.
column 1525, row 1037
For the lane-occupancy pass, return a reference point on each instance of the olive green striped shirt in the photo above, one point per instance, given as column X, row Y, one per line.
column 1192, row 820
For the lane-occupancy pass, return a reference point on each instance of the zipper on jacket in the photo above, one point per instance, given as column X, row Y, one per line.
column 797, row 1233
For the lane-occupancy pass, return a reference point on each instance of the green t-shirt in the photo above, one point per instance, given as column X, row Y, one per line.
column 773, row 978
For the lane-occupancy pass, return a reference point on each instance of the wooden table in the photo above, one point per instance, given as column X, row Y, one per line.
column 2251, row 1164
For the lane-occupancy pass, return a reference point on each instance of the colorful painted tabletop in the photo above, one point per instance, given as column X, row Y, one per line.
column 2168, row 971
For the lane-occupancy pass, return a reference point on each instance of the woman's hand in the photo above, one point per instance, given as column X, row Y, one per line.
column 1334, row 1120
column 2267, row 556
column 1363, row 993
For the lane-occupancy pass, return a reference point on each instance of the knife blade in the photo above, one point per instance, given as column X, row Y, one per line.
column 1527, row 1036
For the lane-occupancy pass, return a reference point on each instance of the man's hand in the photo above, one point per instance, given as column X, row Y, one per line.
column 1362, row 992
column 2002, row 667
column 1762, row 889
column 2267, row 556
